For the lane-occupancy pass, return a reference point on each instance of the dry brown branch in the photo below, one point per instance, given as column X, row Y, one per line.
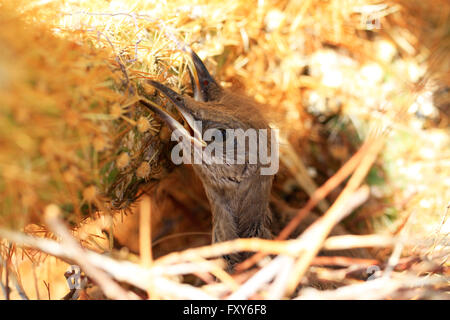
column 277, row 289
column 109, row 287
column 18, row 286
column 344, row 276
column 145, row 236
column 362, row 241
column 223, row 248
column 380, row 288
column 260, row 279
column 343, row 261
column 281, row 266
column 317, row 196
column 288, row 247
column 298, row 169
column 315, row 235
column 161, row 265
column 154, row 279
column 138, row 276
column 4, row 287
column 121, row 270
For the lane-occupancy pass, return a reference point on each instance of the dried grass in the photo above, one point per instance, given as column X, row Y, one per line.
column 72, row 134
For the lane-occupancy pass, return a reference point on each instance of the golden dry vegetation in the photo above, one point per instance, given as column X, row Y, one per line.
column 358, row 89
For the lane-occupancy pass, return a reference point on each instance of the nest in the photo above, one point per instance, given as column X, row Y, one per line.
column 357, row 88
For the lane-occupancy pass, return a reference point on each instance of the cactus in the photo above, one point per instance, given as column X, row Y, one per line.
column 71, row 130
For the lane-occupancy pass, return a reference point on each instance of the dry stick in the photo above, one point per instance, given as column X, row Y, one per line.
column 277, row 288
column 121, row 270
column 283, row 279
column 217, row 270
column 380, row 288
column 8, row 289
column 287, row 247
column 186, row 268
column 396, row 253
column 258, row 280
column 127, row 271
column 4, row 288
column 317, row 196
column 358, row 241
column 227, row 247
column 342, row 275
column 280, row 267
column 145, row 232
column 36, row 287
column 11, row 274
column 145, row 235
column 438, row 231
column 47, row 286
column 343, row 261
column 18, row 286
column 298, row 169
column 316, row 234
column 104, row 281
column 139, row 276
column 18, row 280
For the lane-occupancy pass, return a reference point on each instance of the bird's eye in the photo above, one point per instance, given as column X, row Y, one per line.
column 223, row 132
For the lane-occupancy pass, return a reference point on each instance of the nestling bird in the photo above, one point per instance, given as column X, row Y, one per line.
column 238, row 194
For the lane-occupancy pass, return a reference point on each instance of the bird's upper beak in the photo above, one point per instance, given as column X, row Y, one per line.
column 202, row 82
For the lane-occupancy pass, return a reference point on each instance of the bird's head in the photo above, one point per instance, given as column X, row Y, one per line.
column 227, row 140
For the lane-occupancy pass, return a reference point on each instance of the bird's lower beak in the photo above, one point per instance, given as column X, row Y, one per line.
column 179, row 102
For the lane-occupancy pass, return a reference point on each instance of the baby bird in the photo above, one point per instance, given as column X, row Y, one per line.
column 238, row 192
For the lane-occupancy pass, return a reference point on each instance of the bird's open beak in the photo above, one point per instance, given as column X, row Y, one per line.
column 179, row 102
column 202, row 83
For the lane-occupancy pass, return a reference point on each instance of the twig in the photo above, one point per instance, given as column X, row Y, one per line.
column 104, row 281
column 288, row 247
column 282, row 265
column 47, row 285
column 262, row 277
column 396, row 253
column 295, row 164
column 8, row 289
column 36, row 288
column 19, row 288
column 317, row 196
column 362, row 241
column 380, row 288
column 145, row 232
column 276, row 290
column 344, row 261
column 315, row 235
column 4, row 287
column 180, row 291
column 340, row 276
column 228, row 247
column 120, row 270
